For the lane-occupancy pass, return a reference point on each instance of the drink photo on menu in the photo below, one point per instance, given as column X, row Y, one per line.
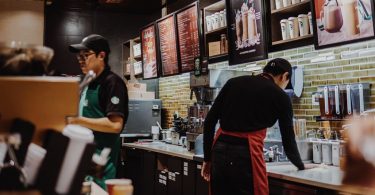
column 246, row 35
column 149, row 56
column 342, row 21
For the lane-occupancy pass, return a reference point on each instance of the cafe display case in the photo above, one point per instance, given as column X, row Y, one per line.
column 215, row 32
column 132, row 56
column 290, row 24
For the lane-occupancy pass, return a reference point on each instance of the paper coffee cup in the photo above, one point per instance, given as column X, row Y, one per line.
column 285, row 29
column 303, row 23
column 112, row 183
column 293, row 27
column 79, row 137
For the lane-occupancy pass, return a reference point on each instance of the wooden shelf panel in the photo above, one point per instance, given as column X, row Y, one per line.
column 218, row 31
column 291, row 8
column 218, row 6
column 218, row 56
column 291, row 40
column 320, row 119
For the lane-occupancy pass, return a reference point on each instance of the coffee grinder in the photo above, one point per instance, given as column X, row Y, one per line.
column 204, row 95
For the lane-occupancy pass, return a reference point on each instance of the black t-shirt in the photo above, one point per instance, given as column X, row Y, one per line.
column 112, row 93
column 251, row 103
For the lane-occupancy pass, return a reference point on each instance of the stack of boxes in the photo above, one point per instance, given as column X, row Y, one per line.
column 138, row 91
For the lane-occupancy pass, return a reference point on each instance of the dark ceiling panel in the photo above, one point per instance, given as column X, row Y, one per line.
column 128, row 6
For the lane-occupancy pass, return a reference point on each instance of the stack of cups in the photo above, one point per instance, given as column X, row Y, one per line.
column 79, row 137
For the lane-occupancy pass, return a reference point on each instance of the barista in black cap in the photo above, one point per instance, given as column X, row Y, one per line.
column 104, row 102
column 245, row 107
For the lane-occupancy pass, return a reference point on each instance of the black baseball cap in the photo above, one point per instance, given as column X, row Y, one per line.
column 278, row 66
column 94, row 42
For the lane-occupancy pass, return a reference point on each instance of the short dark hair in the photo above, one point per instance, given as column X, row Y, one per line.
column 278, row 66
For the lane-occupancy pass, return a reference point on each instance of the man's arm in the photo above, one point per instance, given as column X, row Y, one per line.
column 110, row 124
column 287, row 132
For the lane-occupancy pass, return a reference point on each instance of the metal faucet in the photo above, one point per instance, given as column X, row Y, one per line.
column 273, row 153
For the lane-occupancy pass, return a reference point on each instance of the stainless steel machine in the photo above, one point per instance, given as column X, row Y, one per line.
column 143, row 114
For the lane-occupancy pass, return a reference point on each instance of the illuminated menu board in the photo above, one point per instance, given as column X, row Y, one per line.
column 188, row 37
column 148, row 37
column 168, row 45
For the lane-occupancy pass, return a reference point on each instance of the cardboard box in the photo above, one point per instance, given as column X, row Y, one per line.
column 141, row 87
column 141, row 95
column 137, row 50
column 214, row 48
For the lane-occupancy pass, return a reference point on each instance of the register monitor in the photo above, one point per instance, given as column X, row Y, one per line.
column 143, row 114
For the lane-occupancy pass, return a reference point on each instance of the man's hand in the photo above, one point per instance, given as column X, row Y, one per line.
column 206, row 171
column 311, row 166
column 72, row 120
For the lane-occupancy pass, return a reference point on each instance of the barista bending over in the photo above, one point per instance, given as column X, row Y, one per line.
column 104, row 102
column 245, row 107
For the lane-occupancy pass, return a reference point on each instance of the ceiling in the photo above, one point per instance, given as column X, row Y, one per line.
column 130, row 6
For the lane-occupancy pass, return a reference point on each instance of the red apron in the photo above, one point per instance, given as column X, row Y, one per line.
column 256, row 142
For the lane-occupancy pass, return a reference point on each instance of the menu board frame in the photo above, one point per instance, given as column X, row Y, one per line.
column 200, row 35
column 159, row 42
column 156, row 51
column 243, row 54
column 315, row 28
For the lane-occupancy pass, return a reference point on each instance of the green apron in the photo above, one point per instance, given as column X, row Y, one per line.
column 89, row 107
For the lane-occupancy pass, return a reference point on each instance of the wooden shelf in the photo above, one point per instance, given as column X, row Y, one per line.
column 138, row 57
column 218, row 56
column 291, row 40
column 218, row 6
column 319, row 119
column 217, row 31
column 291, row 8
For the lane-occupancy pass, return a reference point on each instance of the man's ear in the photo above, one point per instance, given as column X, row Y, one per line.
column 102, row 55
column 285, row 76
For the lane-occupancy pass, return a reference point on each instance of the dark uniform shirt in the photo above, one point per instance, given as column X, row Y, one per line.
column 105, row 96
column 252, row 103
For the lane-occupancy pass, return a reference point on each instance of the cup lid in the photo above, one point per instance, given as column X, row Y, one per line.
column 118, row 182
column 78, row 132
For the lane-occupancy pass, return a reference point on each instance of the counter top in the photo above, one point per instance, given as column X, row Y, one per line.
column 162, row 148
column 328, row 177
